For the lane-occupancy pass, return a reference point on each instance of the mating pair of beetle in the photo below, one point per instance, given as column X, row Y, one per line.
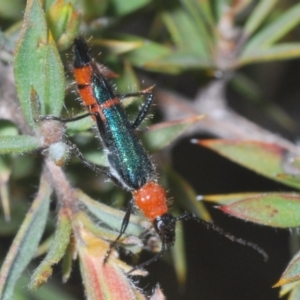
column 129, row 164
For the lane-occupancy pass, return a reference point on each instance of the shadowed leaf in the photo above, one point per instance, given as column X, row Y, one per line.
column 55, row 253
column 259, row 14
column 5, row 172
column 160, row 135
column 272, row 32
column 276, row 52
column 179, row 255
column 295, row 293
column 122, row 7
column 187, row 33
column 292, row 288
column 264, row 158
column 179, row 61
column 113, row 217
column 119, row 46
column 26, row 241
column 79, row 125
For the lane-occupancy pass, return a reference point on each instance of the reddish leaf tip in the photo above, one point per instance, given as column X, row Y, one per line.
column 225, row 209
column 204, row 143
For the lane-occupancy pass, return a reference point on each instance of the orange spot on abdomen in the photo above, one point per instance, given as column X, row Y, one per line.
column 87, row 96
column 151, row 200
column 83, row 77
column 109, row 103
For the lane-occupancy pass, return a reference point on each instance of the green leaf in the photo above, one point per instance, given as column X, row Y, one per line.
column 271, row 209
column 289, row 179
column 128, row 82
column 291, row 273
column 131, row 243
column 26, row 241
column 18, row 144
column 37, row 65
column 292, row 288
column 64, row 23
column 160, row 135
column 56, row 251
column 48, row 3
column 201, row 14
column 264, row 158
column 153, row 56
column 258, row 16
column 147, row 53
column 5, row 172
column 179, row 255
column 179, row 61
column 206, row 11
column 120, row 46
column 113, row 217
column 92, row 9
column 275, row 30
column 121, row 7
column 67, row 262
column 276, row 52
column 96, row 157
column 295, row 293
column 226, row 199
column 187, row 35
column 7, row 128
column 44, row 246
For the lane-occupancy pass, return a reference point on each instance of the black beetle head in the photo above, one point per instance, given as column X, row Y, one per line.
column 165, row 227
column 81, row 51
